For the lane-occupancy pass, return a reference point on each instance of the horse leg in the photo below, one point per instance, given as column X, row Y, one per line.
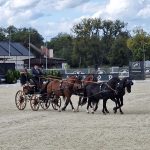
column 66, row 104
column 92, row 106
column 89, row 103
column 79, row 103
column 71, row 105
column 106, row 110
column 46, row 99
column 121, row 104
column 104, row 105
column 117, row 101
column 96, row 106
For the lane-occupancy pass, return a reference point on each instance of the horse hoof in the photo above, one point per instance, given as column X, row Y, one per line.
column 114, row 108
column 92, row 112
column 77, row 110
column 115, row 111
column 87, row 112
column 63, row 109
column 73, row 110
column 121, row 113
column 103, row 113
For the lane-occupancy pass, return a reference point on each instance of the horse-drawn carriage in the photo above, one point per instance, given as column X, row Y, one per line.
column 37, row 96
column 48, row 93
column 88, row 89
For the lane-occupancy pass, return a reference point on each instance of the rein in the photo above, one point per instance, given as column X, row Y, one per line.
column 90, row 82
column 111, row 88
column 102, row 91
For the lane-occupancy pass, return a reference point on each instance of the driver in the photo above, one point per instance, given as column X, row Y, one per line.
column 36, row 74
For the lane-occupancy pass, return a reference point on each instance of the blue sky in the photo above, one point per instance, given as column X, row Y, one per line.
column 50, row 17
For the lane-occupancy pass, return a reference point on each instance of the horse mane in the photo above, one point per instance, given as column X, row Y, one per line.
column 113, row 81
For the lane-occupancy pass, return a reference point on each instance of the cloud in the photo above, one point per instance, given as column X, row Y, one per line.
column 90, row 7
column 62, row 4
column 116, row 9
column 19, row 13
column 125, row 10
column 145, row 12
column 22, row 4
column 2, row 2
column 54, row 16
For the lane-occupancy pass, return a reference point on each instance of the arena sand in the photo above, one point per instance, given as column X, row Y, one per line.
column 52, row 130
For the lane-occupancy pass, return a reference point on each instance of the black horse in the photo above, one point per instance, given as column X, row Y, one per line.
column 89, row 79
column 124, row 84
column 94, row 92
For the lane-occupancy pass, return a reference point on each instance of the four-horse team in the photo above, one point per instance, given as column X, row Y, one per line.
column 49, row 90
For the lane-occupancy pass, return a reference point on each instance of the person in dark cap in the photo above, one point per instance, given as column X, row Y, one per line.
column 24, row 76
column 36, row 75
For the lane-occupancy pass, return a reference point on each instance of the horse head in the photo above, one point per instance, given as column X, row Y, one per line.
column 77, row 86
column 89, row 78
column 125, row 83
column 74, row 80
column 128, row 84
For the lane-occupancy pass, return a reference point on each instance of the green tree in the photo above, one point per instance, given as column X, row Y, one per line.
column 87, row 42
column 95, row 39
column 62, row 45
column 120, row 54
column 22, row 35
column 111, row 31
column 139, row 44
column 2, row 34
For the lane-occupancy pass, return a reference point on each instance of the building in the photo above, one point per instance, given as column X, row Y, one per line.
column 13, row 52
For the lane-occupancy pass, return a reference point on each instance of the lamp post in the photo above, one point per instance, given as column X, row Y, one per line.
column 29, row 49
column 46, row 52
column 144, row 50
column 144, row 56
column 9, row 42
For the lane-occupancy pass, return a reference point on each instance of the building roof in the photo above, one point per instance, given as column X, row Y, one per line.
column 16, row 49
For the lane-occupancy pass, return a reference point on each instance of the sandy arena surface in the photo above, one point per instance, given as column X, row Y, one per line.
column 52, row 130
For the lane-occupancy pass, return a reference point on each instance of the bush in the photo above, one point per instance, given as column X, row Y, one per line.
column 54, row 73
column 16, row 74
column 12, row 76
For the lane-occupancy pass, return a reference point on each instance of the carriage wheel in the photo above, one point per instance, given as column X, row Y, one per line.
column 45, row 105
column 34, row 103
column 56, row 103
column 20, row 100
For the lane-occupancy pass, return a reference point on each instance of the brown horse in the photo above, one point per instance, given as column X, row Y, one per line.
column 64, row 88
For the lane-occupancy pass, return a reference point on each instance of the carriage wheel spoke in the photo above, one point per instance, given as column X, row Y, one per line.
column 57, row 103
column 34, row 103
column 20, row 100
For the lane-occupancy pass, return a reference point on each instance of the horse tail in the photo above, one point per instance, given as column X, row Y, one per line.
column 44, row 90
